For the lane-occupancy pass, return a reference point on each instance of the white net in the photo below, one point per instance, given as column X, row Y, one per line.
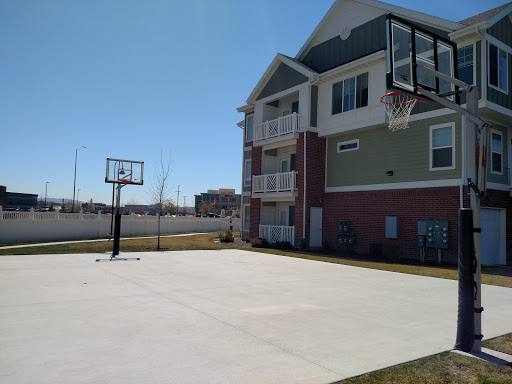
column 398, row 108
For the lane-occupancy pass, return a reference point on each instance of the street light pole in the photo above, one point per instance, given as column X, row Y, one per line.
column 46, row 193
column 74, row 183
column 77, row 194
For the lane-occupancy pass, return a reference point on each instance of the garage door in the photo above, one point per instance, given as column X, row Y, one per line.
column 493, row 239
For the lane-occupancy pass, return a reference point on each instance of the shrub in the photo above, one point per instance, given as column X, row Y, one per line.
column 259, row 243
column 286, row 245
column 226, row 236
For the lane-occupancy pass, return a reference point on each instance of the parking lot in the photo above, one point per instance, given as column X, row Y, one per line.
column 224, row 316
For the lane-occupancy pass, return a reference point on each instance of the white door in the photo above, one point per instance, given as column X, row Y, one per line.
column 315, row 227
column 493, row 236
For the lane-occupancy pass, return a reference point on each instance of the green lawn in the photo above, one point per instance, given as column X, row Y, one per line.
column 446, row 367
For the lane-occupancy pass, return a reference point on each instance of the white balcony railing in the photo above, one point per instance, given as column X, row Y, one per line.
column 281, row 126
column 275, row 182
column 275, row 233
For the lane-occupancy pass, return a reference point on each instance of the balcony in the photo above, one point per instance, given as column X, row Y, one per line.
column 282, row 127
column 276, row 233
column 275, row 183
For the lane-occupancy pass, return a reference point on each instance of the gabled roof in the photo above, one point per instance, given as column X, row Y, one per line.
column 388, row 8
column 484, row 16
column 280, row 58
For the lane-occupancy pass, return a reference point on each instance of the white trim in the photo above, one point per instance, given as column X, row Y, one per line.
column 435, row 113
column 279, row 58
column 281, row 94
column 276, row 196
column 246, row 127
column 433, row 21
column 404, row 185
column 438, row 126
column 245, row 175
column 243, row 217
column 248, row 148
column 498, row 186
column 499, row 45
column 338, row 150
column 497, row 108
column 246, row 193
column 491, row 151
column 358, row 65
column 282, row 143
column 500, row 15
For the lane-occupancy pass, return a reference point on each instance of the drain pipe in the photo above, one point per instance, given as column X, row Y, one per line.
column 304, row 202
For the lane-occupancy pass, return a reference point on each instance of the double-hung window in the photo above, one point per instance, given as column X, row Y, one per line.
column 249, row 128
column 350, row 94
column 247, row 172
column 442, row 147
column 465, row 64
column 498, row 68
column 496, row 152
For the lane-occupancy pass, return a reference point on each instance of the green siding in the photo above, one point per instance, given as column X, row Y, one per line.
column 492, row 177
column 405, row 152
column 283, row 78
column 502, row 30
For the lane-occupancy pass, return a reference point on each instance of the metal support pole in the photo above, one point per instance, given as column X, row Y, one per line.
column 117, row 230
column 475, row 170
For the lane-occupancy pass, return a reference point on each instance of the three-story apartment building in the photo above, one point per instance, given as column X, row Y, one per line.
column 320, row 167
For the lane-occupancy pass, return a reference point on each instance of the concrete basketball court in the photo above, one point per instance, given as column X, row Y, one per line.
column 226, row 316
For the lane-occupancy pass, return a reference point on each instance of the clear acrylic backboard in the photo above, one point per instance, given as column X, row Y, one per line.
column 124, row 171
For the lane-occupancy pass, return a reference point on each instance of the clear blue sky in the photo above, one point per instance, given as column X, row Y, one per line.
column 130, row 79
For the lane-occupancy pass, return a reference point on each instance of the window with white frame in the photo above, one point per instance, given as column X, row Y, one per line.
column 249, row 129
column 247, row 216
column 345, row 146
column 247, row 172
column 498, row 68
column 442, row 147
column 350, row 93
column 465, row 64
column 496, row 152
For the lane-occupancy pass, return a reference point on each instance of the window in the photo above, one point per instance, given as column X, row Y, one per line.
column 465, row 64
column 249, row 128
column 247, row 216
column 442, row 149
column 350, row 94
column 346, row 146
column 498, row 68
column 496, row 152
column 247, row 173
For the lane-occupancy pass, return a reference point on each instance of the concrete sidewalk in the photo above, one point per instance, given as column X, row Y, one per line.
column 226, row 316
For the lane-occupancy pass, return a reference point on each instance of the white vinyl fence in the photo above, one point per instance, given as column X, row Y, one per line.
column 25, row 227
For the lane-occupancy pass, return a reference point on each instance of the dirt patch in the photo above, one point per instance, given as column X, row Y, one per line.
column 238, row 243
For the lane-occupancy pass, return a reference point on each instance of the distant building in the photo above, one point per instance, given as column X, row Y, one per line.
column 16, row 200
column 222, row 199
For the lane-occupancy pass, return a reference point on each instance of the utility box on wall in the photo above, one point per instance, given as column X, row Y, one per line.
column 392, row 225
column 438, row 234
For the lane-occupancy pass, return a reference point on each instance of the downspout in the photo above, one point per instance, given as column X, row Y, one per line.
column 304, row 187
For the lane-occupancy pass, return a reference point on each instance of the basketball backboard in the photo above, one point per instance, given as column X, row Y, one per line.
column 124, row 171
column 411, row 48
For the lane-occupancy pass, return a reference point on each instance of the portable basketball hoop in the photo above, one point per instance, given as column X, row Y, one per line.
column 398, row 108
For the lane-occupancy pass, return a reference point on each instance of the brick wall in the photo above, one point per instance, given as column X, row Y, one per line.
column 315, row 179
column 367, row 211
column 255, row 203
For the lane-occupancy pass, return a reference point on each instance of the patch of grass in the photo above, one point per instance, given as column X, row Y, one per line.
column 126, row 245
column 446, row 367
column 500, row 344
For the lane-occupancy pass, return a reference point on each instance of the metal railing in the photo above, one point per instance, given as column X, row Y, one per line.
column 281, row 126
column 276, row 233
column 275, row 182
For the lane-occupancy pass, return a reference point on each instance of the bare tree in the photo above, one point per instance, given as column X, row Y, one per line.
column 159, row 190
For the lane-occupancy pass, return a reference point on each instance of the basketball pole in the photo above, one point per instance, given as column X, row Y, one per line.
column 477, row 128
